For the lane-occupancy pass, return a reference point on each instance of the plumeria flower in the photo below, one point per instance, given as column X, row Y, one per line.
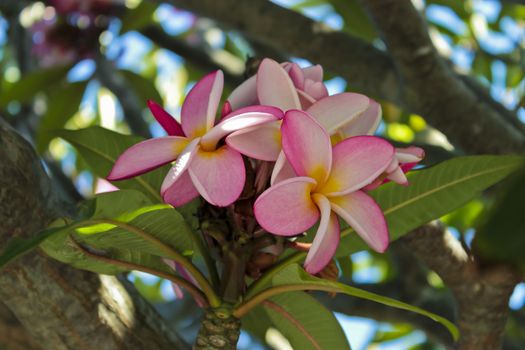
column 202, row 164
column 327, row 184
column 289, row 87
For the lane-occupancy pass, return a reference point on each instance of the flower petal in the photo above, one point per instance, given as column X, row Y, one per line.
column 326, row 238
column 365, row 123
column 165, row 119
column 296, row 74
column 218, row 175
column 244, row 94
column 364, row 215
column 333, row 112
column 181, row 191
column 357, row 162
column 287, row 209
column 259, row 142
column 274, row 86
column 316, row 89
column 410, row 154
column 147, row 155
column 282, row 170
column 243, row 118
column 314, row 73
column 181, row 165
column 305, row 99
column 199, row 109
column 306, row 145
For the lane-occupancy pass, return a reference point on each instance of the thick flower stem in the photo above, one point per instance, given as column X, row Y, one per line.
column 219, row 330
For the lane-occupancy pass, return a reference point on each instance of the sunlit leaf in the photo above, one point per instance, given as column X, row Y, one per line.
column 432, row 193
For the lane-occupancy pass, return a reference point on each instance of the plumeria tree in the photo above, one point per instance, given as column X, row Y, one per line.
column 254, row 199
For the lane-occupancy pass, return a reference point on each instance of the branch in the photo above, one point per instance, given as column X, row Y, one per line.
column 232, row 67
column 428, row 88
column 63, row 308
column 434, row 90
column 482, row 292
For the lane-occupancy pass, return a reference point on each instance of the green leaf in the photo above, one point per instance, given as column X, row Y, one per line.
column 305, row 322
column 138, row 17
column 17, row 247
column 501, row 237
column 63, row 103
column 294, row 274
column 432, row 193
column 143, row 87
column 101, row 147
column 121, row 229
column 30, row 84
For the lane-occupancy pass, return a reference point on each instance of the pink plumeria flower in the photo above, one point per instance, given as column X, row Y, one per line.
column 328, row 184
column 184, row 274
column 289, row 87
column 202, row 165
column 405, row 159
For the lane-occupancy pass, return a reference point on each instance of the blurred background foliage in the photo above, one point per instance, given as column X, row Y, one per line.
column 74, row 68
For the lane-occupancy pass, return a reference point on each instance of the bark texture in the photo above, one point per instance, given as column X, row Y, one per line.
column 61, row 307
column 481, row 292
column 219, row 331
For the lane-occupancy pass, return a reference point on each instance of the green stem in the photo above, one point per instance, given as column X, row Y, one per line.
column 171, row 253
column 192, row 289
column 249, row 304
column 210, row 264
column 266, row 278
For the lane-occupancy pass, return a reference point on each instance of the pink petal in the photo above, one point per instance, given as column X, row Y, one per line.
column 314, row 73
column 147, row 155
column 282, row 170
column 245, row 94
column 226, row 109
column 364, row 215
column 199, row 108
column 410, row 154
column 306, row 145
column 296, row 74
column 103, row 186
column 182, row 191
column 287, row 209
column 274, row 86
column 306, row 100
column 259, row 142
column 316, row 89
column 165, row 119
column 218, row 175
column 365, row 123
column 326, row 238
column 357, row 162
column 247, row 117
column 181, row 165
column 398, row 176
column 334, row 112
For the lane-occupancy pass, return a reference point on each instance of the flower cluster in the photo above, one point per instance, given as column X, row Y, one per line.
column 323, row 156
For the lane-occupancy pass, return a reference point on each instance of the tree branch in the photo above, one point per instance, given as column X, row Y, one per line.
column 232, row 67
column 63, row 308
column 482, row 292
column 432, row 90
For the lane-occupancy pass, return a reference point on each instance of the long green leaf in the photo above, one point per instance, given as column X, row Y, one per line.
column 294, row 274
column 305, row 322
column 17, row 247
column 432, row 193
column 100, row 149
